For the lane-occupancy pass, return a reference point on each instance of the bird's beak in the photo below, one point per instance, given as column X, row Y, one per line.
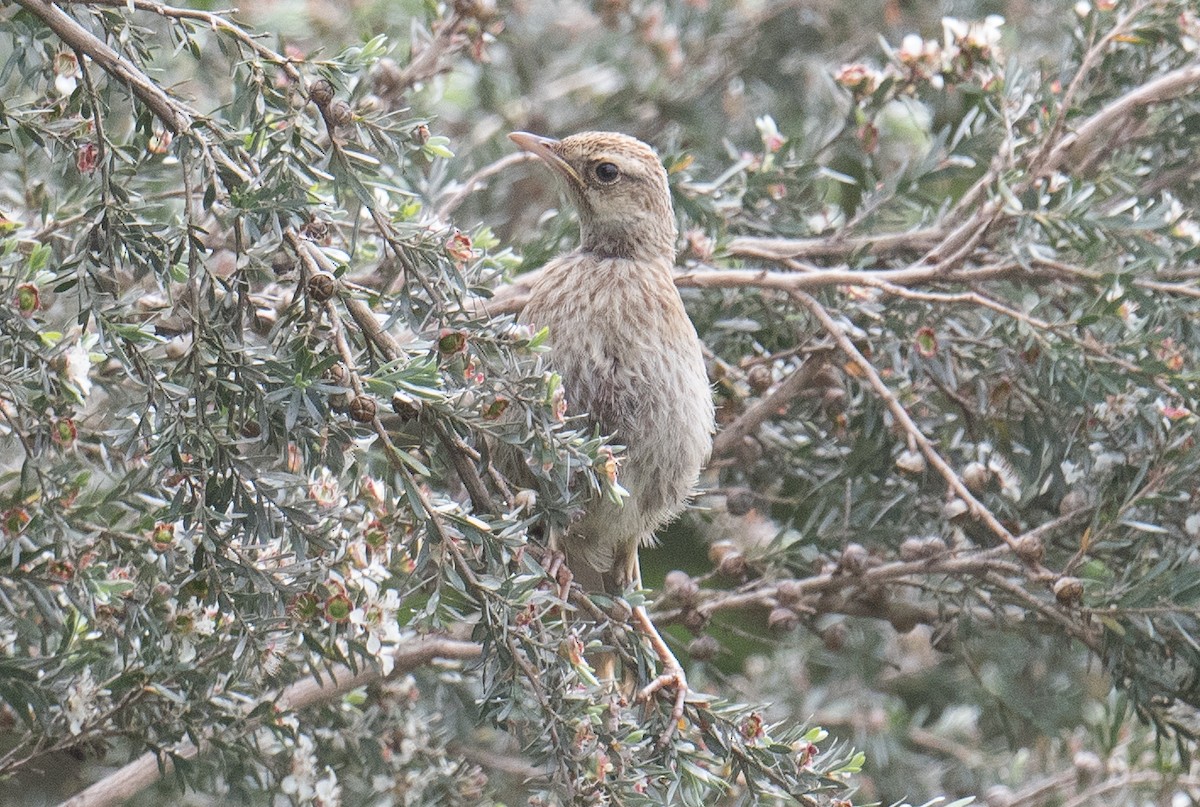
column 547, row 149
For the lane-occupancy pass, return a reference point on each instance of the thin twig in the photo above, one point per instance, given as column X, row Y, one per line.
column 131, row 779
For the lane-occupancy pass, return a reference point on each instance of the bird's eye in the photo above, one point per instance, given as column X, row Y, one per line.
column 607, row 173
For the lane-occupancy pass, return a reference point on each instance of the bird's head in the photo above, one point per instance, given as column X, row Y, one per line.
column 619, row 186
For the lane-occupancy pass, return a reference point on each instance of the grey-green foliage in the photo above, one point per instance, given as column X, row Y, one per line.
column 217, row 483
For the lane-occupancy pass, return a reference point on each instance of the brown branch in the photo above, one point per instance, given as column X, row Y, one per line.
column 478, row 179
column 780, row 398
column 977, row 509
column 168, row 110
column 217, row 22
column 914, row 242
column 1074, row 148
column 129, row 780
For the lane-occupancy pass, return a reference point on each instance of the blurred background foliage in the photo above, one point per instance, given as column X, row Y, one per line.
column 220, row 490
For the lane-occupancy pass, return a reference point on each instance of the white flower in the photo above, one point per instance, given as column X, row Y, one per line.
column 1187, row 229
column 1006, row 475
column 327, row 792
column 325, row 490
column 982, row 37
column 377, row 618
column 66, row 74
column 302, row 780
column 1105, row 460
column 85, row 700
column 1083, row 8
column 77, row 365
column 1192, row 525
column 1072, row 472
column 772, row 139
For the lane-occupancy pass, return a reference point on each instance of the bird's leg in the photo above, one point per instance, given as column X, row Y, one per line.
column 556, row 566
column 672, row 674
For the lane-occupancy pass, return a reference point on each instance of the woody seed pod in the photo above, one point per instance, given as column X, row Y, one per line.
column 678, row 586
column 1030, row 549
column 340, row 113
column 759, row 378
column 362, row 409
column 1068, row 590
column 739, row 502
column 321, row 92
column 321, row 287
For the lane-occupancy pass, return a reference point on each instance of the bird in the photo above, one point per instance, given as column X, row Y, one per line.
column 630, row 360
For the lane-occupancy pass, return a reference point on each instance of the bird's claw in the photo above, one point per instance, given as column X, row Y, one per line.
column 557, row 570
column 672, row 677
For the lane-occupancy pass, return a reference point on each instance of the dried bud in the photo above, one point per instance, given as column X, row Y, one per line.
column 955, row 509
column 678, row 586
column 321, row 287
column 1030, row 549
column 1068, row 590
column 695, row 621
column 1088, row 768
column 407, row 408
column 739, row 501
column 749, row 451
column 976, row 477
column 760, row 378
column 912, row 549
column 282, row 263
column 320, row 92
column 703, row 648
column 728, row 559
column 833, row 401
column 620, row 611
column 783, row 619
column 362, row 409
column 420, row 135
column 788, row 592
column 340, row 113
column 1074, row 500
column 316, row 229
column 834, row 636
column 922, row 548
column 388, row 78
column 855, row 559
column 338, row 375
column 911, row 462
